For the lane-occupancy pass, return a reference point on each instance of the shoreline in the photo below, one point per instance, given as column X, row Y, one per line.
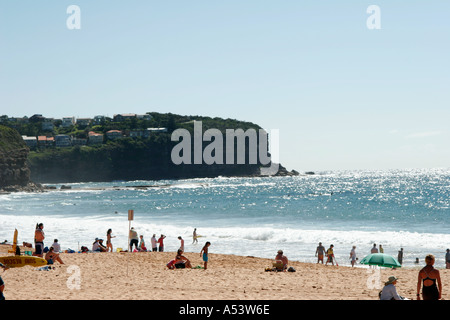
column 144, row 276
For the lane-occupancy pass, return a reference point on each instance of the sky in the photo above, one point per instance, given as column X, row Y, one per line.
column 342, row 95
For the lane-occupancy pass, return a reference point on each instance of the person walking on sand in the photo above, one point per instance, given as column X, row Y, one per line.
column 39, row 237
column 194, row 236
column 430, row 281
column 109, row 236
column 330, row 255
column 320, row 251
column 204, row 251
column 353, row 255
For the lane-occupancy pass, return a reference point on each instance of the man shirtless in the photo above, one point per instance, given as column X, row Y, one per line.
column 320, row 251
column 281, row 261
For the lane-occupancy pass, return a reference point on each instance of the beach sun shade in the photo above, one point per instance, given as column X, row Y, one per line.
column 382, row 260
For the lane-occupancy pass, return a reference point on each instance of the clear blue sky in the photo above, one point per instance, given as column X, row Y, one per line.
column 342, row 96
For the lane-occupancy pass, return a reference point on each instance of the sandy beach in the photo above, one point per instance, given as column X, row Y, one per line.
column 144, row 276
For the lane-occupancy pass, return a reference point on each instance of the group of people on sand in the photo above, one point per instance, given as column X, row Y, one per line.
column 181, row 262
column 52, row 253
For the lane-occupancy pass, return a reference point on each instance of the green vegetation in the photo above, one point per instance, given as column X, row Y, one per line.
column 124, row 158
column 10, row 140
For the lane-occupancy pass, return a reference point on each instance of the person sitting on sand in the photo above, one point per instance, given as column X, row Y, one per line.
column 98, row 246
column 56, row 246
column 281, row 261
column 181, row 261
column 51, row 256
column 389, row 291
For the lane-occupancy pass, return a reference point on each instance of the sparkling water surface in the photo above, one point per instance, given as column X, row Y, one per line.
column 251, row 216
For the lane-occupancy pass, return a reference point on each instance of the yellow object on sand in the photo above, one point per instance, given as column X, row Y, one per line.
column 22, row 261
column 14, row 247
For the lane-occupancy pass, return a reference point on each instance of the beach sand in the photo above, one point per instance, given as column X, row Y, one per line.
column 144, row 276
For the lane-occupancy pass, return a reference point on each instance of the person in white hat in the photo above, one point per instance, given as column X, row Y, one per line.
column 389, row 291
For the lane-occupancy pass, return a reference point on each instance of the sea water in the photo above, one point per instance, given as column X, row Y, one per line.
column 407, row 209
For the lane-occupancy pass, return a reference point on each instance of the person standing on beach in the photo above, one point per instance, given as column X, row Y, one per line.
column 204, row 251
column 109, row 236
column 39, row 237
column 161, row 243
column 447, row 259
column 330, row 255
column 428, row 276
column 381, row 249
column 154, row 243
column 353, row 255
column 320, row 251
column 400, row 256
column 134, row 239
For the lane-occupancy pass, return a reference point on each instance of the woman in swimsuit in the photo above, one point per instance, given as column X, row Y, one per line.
column 429, row 276
column 109, row 236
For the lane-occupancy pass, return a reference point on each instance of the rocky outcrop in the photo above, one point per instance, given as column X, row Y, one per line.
column 283, row 172
column 14, row 172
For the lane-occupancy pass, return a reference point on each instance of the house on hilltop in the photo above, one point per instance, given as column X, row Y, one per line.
column 114, row 134
column 95, row 138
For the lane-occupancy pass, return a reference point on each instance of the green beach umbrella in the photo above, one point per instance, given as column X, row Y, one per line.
column 382, row 260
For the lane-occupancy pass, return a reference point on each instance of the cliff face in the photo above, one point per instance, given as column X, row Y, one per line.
column 14, row 171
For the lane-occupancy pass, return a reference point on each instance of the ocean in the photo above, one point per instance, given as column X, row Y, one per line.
column 407, row 209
